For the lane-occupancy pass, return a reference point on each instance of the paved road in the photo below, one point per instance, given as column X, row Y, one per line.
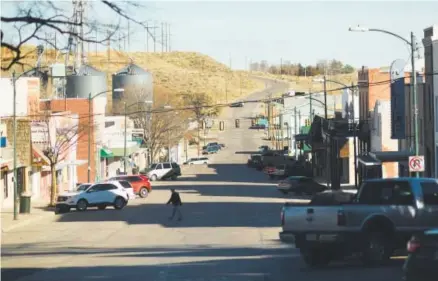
column 229, row 232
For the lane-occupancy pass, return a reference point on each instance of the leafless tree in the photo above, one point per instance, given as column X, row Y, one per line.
column 61, row 134
column 201, row 106
column 32, row 19
column 161, row 127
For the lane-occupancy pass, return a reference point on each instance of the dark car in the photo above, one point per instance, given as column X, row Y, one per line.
column 422, row 261
column 300, row 185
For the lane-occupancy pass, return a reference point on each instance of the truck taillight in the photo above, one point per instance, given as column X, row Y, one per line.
column 342, row 219
column 413, row 245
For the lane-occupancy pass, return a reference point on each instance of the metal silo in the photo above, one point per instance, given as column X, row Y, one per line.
column 132, row 78
column 85, row 81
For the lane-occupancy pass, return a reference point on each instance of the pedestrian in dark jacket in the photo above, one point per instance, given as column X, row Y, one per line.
column 175, row 199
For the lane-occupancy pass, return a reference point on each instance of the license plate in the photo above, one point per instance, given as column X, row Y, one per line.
column 311, row 237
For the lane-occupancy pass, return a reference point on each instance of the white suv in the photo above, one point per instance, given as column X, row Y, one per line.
column 197, row 161
column 98, row 195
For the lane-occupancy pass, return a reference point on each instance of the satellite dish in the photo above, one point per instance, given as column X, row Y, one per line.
column 397, row 69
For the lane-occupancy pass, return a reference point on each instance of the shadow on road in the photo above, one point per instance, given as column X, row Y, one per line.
column 237, row 173
column 235, row 264
column 203, row 214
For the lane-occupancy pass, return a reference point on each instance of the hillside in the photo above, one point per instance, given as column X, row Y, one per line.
column 174, row 73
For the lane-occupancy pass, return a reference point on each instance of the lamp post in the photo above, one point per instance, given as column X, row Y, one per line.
column 90, row 113
column 411, row 43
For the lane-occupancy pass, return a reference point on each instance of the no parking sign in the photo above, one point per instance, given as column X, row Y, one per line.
column 416, row 163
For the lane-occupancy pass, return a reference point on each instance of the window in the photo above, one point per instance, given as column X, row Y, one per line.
column 175, row 165
column 430, row 193
column 153, row 166
column 125, row 184
column 133, row 179
column 158, row 167
column 166, row 165
column 108, row 186
column 386, row 193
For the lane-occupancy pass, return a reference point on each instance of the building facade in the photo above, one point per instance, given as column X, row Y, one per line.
column 430, row 42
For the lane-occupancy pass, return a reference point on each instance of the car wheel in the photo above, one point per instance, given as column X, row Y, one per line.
column 82, row 205
column 143, row 192
column 377, row 249
column 119, row 203
column 102, row 207
column 284, row 191
column 154, row 178
column 174, row 178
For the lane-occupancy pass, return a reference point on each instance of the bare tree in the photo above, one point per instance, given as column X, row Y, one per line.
column 161, row 127
column 33, row 19
column 62, row 133
column 201, row 106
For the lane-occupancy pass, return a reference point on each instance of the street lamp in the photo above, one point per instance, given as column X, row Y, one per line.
column 90, row 99
column 411, row 43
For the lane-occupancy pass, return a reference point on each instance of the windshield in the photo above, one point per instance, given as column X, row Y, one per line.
column 83, row 187
column 152, row 166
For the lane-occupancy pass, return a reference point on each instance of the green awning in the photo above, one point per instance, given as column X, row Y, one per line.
column 106, row 153
column 305, row 129
column 120, row 151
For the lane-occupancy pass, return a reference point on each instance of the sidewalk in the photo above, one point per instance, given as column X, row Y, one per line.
column 38, row 212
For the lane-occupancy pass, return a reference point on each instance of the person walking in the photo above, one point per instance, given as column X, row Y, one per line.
column 175, row 199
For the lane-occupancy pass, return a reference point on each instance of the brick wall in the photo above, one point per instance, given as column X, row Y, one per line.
column 81, row 108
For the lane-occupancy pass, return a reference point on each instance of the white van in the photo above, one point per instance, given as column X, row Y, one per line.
column 197, row 161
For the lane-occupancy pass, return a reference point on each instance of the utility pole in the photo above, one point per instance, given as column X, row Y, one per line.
column 295, row 129
column 125, row 170
column 325, row 97
column 129, row 39
column 414, row 92
column 354, row 136
column 155, row 39
column 109, row 46
column 299, row 124
column 147, row 37
column 168, row 38
column 162, row 37
column 14, row 124
column 310, row 105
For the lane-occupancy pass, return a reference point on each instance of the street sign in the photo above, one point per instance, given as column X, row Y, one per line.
column 416, row 163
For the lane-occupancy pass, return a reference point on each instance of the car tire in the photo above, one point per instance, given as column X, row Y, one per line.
column 143, row 192
column 82, row 205
column 174, row 178
column 119, row 203
column 101, row 207
column 284, row 191
column 61, row 210
column 377, row 249
column 154, row 178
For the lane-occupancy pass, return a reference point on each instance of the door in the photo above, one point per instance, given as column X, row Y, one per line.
column 96, row 194
column 158, row 170
column 430, row 198
column 167, row 170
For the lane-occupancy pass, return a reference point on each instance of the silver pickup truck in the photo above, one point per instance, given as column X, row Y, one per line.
column 379, row 219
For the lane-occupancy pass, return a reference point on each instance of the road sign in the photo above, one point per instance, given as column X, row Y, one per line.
column 416, row 163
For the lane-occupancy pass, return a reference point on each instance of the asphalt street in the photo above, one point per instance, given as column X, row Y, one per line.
column 229, row 231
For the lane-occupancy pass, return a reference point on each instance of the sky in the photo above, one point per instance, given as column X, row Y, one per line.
column 296, row 31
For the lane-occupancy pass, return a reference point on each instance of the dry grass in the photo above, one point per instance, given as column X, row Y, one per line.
column 174, row 73
column 306, row 84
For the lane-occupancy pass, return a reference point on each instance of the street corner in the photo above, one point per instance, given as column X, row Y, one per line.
column 8, row 224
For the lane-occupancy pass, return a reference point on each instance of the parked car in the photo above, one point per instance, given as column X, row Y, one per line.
column 422, row 261
column 380, row 219
column 129, row 189
column 300, row 185
column 254, row 160
column 140, row 184
column 237, row 104
column 98, row 195
column 268, row 170
column 211, row 149
column 163, row 171
column 197, row 161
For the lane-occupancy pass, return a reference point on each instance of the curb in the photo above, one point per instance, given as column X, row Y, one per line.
column 29, row 221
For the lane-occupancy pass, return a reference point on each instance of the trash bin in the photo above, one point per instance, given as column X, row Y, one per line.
column 25, row 203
